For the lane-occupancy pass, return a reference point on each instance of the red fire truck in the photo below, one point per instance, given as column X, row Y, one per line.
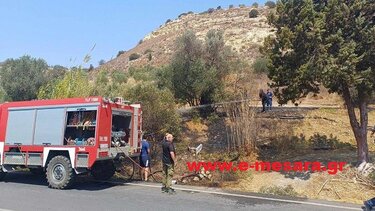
column 67, row 137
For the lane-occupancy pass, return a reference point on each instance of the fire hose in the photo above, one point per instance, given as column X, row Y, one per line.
column 151, row 174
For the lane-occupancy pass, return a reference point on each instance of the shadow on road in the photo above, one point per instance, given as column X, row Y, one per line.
column 84, row 182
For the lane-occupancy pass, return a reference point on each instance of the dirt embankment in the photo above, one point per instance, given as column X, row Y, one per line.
column 322, row 135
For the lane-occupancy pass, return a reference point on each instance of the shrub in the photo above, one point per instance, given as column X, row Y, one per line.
column 134, row 56
column 318, row 141
column 211, row 10
column 140, row 42
column 158, row 106
column 148, row 51
column 253, row 13
column 182, row 14
column 231, row 6
column 270, row 4
column 120, row 52
column 255, row 5
column 219, row 8
column 261, row 65
column 169, row 20
column 277, row 190
column 242, row 6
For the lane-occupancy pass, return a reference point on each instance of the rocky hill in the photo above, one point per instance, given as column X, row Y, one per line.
column 242, row 33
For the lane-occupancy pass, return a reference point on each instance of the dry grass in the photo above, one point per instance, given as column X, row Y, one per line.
column 340, row 187
column 331, row 121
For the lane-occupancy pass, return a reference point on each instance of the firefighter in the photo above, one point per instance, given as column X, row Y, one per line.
column 169, row 161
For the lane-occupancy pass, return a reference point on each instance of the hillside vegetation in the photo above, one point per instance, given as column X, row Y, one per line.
column 243, row 34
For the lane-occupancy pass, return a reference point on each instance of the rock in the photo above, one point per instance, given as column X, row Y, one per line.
column 365, row 168
column 196, row 179
column 184, row 181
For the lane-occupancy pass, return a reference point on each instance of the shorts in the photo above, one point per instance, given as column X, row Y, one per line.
column 144, row 161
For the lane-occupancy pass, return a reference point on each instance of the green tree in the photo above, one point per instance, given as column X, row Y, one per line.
column 253, row 13
column 325, row 43
column 21, row 78
column 270, row 4
column 260, row 65
column 134, row 56
column 197, row 69
column 158, row 106
column 2, row 95
column 74, row 84
column 56, row 72
column 255, row 5
column 101, row 62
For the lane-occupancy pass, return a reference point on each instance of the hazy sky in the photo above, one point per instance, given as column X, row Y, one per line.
column 63, row 32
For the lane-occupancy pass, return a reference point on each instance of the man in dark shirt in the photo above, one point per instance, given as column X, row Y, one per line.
column 264, row 99
column 169, row 160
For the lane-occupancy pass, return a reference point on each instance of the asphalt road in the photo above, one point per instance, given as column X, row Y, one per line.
column 23, row 191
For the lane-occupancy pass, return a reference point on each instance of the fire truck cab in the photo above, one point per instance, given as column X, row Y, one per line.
column 67, row 137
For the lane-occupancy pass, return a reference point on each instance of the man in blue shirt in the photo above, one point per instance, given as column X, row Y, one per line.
column 144, row 159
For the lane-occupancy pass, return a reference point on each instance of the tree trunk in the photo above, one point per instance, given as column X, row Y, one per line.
column 359, row 128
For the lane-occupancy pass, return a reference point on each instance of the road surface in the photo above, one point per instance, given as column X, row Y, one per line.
column 23, row 191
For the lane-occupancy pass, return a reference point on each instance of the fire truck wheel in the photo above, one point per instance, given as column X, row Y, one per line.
column 103, row 170
column 60, row 173
column 2, row 174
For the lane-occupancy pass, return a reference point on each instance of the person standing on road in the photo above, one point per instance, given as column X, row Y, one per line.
column 169, row 160
column 269, row 99
column 144, row 160
column 263, row 97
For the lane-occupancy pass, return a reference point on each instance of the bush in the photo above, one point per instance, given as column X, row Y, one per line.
column 270, row 4
column 148, row 51
column 318, row 141
column 211, row 10
column 158, row 108
column 242, row 6
column 219, row 8
column 134, row 56
column 120, row 52
column 182, row 14
column 231, row 6
column 168, row 21
column 284, row 144
column 255, row 5
column 253, row 13
column 280, row 191
column 260, row 65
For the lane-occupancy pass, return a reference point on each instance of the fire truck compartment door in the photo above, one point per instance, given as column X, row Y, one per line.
column 20, row 126
column 49, row 126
